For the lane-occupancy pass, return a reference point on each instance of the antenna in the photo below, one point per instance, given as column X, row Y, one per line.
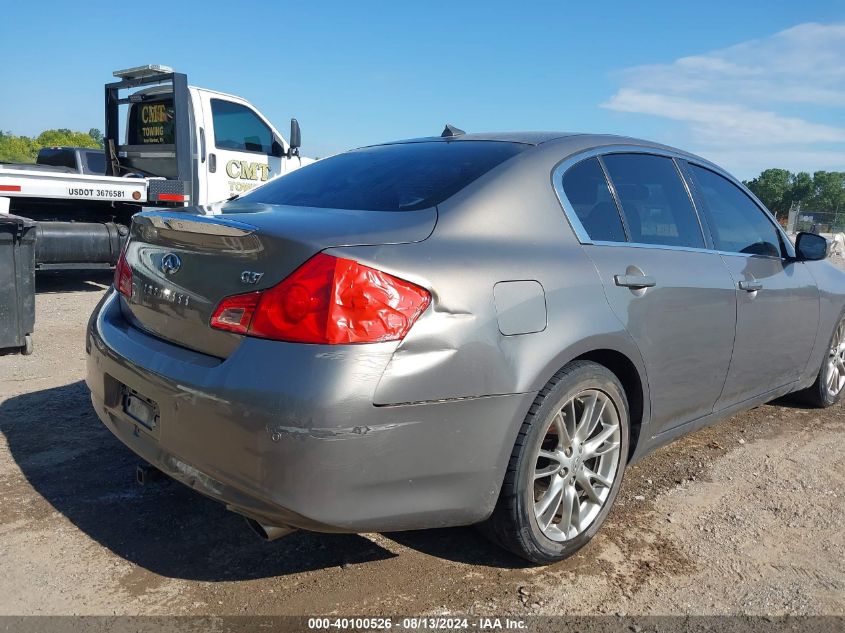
column 450, row 131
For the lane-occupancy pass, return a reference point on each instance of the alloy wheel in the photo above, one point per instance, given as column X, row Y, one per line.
column 577, row 463
column 835, row 378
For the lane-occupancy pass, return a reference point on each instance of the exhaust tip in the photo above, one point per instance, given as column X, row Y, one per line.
column 269, row 532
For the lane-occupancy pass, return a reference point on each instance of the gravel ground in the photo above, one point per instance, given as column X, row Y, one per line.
column 745, row 517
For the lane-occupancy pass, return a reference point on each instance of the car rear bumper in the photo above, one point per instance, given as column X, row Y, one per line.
column 287, row 434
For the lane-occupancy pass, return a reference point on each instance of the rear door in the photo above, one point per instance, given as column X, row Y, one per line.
column 777, row 298
column 243, row 149
column 673, row 295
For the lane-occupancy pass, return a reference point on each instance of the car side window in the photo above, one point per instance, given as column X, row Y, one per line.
column 738, row 225
column 657, row 207
column 586, row 189
column 238, row 128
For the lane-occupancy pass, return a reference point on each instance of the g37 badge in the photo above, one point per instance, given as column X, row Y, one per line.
column 249, row 277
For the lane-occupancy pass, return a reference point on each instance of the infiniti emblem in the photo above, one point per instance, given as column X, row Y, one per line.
column 170, row 263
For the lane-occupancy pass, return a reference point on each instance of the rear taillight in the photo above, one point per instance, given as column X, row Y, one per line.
column 123, row 275
column 327, row 300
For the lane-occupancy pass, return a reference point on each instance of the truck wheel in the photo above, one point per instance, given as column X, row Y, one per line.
column 26, row 350
column 566, row 466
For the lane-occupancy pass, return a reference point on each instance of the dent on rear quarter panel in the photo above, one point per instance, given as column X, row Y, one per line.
column 507, row 226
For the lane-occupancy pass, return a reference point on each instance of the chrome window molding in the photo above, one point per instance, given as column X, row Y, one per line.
column 597, row 152
column 662, row 247
column 689, row 249
column 568, row 210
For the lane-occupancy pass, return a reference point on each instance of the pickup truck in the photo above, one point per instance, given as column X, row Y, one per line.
column 65, row 160
column 182, row 146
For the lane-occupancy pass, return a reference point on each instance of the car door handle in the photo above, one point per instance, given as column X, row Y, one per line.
column 750, row 286
column 635, row 281
column 212, row 163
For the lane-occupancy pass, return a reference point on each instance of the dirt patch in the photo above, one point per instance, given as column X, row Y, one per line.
column 744, row 517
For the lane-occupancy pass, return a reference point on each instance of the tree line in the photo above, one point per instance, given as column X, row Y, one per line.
column 24, row 149
column 779, row 189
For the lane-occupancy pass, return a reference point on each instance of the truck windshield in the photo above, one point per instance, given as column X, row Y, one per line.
column 400, row 177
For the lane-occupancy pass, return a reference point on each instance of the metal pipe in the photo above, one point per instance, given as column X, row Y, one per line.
column 269, row 532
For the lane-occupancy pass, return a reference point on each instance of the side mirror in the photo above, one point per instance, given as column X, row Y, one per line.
column 810, row 247
column 295, row 139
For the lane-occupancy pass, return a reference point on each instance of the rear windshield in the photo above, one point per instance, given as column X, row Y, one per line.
column 401, row 177
column 151, row 122
column 57, row 158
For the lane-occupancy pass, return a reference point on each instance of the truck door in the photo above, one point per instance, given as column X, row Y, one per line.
column 243, row 151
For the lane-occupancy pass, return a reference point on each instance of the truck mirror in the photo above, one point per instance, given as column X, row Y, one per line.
column 295, row 138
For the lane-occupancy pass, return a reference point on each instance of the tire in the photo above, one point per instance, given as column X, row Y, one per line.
column 515, row 524
column 820, row 394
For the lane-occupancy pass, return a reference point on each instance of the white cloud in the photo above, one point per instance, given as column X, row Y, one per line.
column 769, row 94
column 748, row 162
column 713, row 123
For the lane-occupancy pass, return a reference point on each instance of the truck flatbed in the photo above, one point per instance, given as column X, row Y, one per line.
column 39, row 183
column 181, row 146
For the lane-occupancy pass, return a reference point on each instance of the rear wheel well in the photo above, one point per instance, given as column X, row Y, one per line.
column 628, row 375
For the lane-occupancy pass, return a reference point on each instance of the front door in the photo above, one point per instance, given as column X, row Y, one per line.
column 777, row 299
column 240, row 148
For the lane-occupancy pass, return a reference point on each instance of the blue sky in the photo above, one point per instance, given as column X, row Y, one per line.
column 748, row 84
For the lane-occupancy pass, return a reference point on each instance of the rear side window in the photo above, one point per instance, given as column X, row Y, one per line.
column 400, row 177
column 737, row 224
column 654, row 200
column 96, row 162
column 237, row 127
column 586, row 189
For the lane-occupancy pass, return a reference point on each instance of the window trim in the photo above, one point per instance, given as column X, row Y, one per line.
column 680, row 160
column 705, row 237
column 211, row 101
column 620, row 211
column 787, row 248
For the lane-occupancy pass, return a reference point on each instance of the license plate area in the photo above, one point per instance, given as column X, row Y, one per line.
column 141, row 409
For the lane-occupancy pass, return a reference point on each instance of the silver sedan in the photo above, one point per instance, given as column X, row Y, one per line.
column 466, row 329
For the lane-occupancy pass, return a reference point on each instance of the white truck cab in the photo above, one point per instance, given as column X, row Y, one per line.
column 236, row 147
column 180, row 145
column 232, row 145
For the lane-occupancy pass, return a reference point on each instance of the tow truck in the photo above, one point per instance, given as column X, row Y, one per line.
column 182, row 146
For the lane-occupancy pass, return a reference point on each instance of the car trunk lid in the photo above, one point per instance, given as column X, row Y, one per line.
column 184, row 263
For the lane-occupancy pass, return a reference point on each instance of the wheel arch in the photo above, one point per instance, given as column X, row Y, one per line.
column 626, row 372
column 626, row 364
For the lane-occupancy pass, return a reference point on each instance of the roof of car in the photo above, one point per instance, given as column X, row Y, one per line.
column 527, row 138
column 575, row 141
column 539, row 138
